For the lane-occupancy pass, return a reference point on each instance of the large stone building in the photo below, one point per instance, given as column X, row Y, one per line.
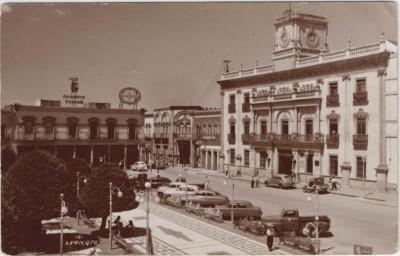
column 93, row 131
column 314, row 111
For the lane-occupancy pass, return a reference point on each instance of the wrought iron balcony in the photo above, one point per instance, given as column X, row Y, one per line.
column 231, row 108
column 332, row 141
column 360, row 141
column 231, row 138
column 246, row 107
column 360, row 98
column 332, row 100
column 210, row 139
column 261, row 140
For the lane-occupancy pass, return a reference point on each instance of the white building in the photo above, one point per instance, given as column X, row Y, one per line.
column 314, row 111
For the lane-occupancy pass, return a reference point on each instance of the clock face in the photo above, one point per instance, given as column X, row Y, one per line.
column 284, row 39
column 312, row 40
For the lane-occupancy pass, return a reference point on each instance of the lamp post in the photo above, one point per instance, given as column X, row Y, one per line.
column 233, row 191
column 63, row 211
column 316, row 198
column 78, row 181
column 140, row 199
column 119, row 194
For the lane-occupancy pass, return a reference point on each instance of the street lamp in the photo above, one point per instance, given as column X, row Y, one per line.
column 233, row 189
column 140, row 198
column 316, row 198
column 113, row 189
column 63, row 211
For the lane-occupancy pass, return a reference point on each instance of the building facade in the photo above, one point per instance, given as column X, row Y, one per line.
column 95, row 132
column 208, row 139
column 314, row 112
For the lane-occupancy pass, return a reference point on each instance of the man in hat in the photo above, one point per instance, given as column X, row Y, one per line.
column 270, row 236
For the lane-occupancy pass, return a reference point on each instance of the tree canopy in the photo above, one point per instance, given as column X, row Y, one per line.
column 8, row 158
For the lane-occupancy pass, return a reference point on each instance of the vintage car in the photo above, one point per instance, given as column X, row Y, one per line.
column 289, row 220
column 316, row 183
column 158, row 181
column 280, row 181
column 139, row 166
column 206, row 198
column 242, row 209
column 250, row 225
column 134, row 174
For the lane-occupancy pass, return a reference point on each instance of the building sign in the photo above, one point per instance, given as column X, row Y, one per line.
column 286, row 90
column 73, row 99
column 129, row 96
column 362, row 249
column 80, row 241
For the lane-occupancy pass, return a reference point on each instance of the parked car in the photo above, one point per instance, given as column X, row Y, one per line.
column 181, row 191
column 159, row 181
column 175, row 185
column 135, row 174
column 280, row 181
column 316, row 183
column 289, row 220
column 206, row 198
column 241, row 209
column 139, row 166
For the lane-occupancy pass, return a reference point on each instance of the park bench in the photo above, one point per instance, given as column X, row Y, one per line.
column 213, row 214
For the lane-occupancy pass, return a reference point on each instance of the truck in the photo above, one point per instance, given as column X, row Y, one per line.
column 289, row 220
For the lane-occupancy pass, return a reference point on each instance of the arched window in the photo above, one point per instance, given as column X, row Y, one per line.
column 29, row 124
column 72, row 127
column 49, row 123
column 94, row 128
column 132, row 123
column 111, row 123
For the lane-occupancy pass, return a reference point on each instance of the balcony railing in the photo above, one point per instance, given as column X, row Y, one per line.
column 246, row 107
column 183, row 136
column 260, row 140
column 287, row 140
column 231, row 138
column 360, row 141
column 160, row 135
column 332, row 141
column 332, row 100
column 360, row 98
column 231, row 108
column 210, row 139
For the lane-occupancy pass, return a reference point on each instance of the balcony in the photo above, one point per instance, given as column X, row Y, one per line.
column 160, row 135
column 261, row 140
column 360, row 98
column 246, row 107
column 332, row 100
column 305, row 141
column 332, row 141
column 360, row 141
column 210, row 139
column 231, row 108
column 246, row 139
column 183, row 136
column 231, row 138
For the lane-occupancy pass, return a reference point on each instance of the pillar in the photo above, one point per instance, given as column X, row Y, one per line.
column 346, row 167
column 381, row 169
column 91, row 155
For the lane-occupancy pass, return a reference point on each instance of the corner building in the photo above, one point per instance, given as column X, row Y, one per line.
column 314, row 111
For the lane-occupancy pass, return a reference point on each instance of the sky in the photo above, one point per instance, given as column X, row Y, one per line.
column 171, row 52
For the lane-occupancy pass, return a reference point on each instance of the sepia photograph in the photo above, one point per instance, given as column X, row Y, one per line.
column 199, row 128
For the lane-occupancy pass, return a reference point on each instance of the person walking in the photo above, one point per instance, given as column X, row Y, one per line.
column 206, row 184
column 270, row 236
column 258, row 181
column 252, row 182
column 334, row 184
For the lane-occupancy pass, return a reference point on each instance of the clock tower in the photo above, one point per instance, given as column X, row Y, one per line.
column 298, row 35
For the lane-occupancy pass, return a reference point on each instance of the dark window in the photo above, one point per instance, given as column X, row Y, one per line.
column 333, row 126
column 263, row 158
column 93, row 130
column 111, row 130
column 246, row 127
column 48, row 127
column 361, row 125
column 72, row 127
column 216, row 129
column 232, row 129
column 263, row 127
column 232, row 99
column 310, row 163
column 28, row 127
column 210, row 130
column 285, row 127
column 232, row 156
column 333, row 88
column 333, row 165
column 247, row 98
column 132, row 131
column 309, row 127
column 246, row 158
column 361, row 167
column 361, row 85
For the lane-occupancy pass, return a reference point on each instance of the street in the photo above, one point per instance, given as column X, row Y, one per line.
column 353, row 221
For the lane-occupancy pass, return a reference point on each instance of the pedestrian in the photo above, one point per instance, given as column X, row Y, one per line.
column 252, row 182
column 330, row 183
column 334, row 184
column 227, row 171
column 293, row 175
column 258, row 181
column 270, row 236
column 206, row 183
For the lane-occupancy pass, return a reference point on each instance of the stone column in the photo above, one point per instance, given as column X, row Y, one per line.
column 222, row 130
column 206, row 159
column 346, row 167
column 381, row 169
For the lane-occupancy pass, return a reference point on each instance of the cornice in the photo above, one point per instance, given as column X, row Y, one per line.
column 346, row 65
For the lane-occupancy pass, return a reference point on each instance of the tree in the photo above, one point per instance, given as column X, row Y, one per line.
column 96, row 193
column 30, row 193
column 8, row 158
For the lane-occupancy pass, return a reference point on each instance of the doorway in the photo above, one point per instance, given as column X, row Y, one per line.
column 285, row 162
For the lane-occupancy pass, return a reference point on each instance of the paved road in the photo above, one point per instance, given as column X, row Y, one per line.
column 354, row 221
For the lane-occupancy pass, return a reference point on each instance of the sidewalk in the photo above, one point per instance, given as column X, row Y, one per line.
column 389, row 198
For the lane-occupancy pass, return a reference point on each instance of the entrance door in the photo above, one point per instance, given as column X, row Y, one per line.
column 310, row 163
column 184, row 151
column 285, row 162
